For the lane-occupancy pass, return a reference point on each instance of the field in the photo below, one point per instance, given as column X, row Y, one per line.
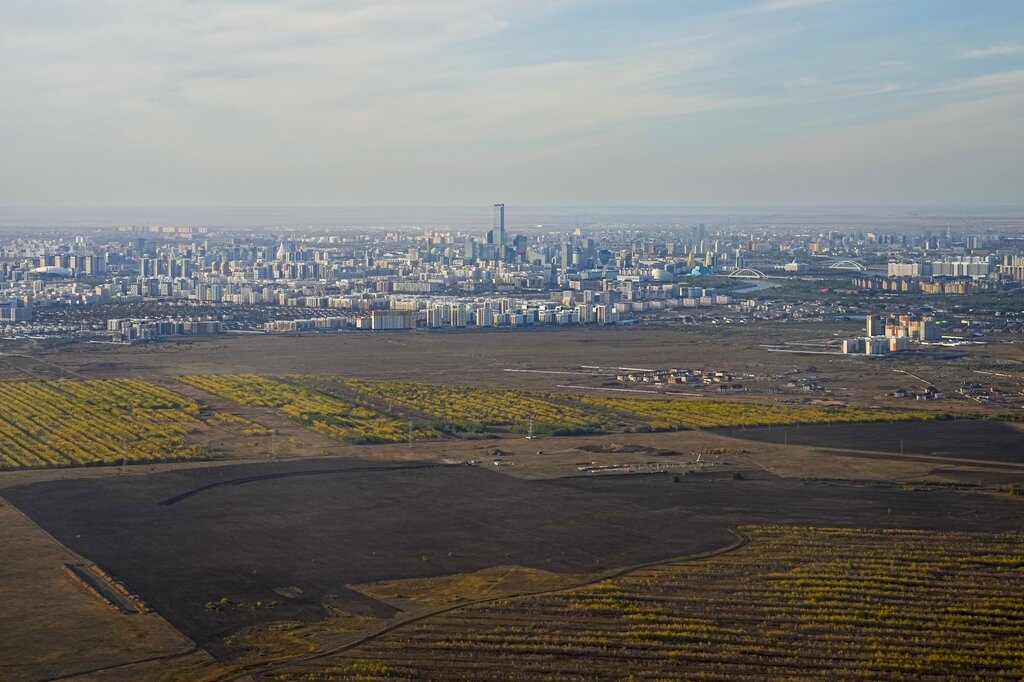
column 75, row 422
column 51, row 626
column 975, row 440
column 68, row 423
column 684, row 413
column 460, row 408
column 241, row 537
column 796, row 603
column 550, row 357
column 281, row 556
column 328, row 415
column 361, row 411
column 247, row 532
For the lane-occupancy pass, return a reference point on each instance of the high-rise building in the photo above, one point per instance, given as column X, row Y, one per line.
column 458, row 315
column 484, row 316
column 392, row 319
column 875, row 325
column 499, row 225
column 520, row 244
column 566, row 255
column 912, row 269
column 929, row 332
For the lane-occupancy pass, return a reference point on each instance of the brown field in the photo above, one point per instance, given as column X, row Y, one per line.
column 795, row 603
column 489, row 583
column 482, row 358
column 52, row 626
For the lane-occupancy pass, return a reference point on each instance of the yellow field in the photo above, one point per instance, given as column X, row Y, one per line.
column 470, row 409
column 327, row 414
column 66, row 423
column 330, row 403
column 668, row 414
column 795, row 603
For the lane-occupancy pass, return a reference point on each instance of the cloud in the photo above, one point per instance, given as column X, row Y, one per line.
column 1001, row 50
column 813, row 89
column 802, row 82
column 303, row 98
column 883, row 89
column 991, row 80
column 384, row 101
column 894, row 161
column 782, row 5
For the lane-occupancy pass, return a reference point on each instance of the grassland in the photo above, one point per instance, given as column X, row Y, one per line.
column 461, row 408
column 795, row 603
column 253, row 531
column 51, row 626
column 558, row 414
column 481, row 360
column 364, row 411
column 69, row 423
column 669, row 414
column 422, row 537
column 329, row 415
column 453, row 589
column 73, row 423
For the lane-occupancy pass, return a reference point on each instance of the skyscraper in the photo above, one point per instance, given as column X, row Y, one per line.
column 499, row 224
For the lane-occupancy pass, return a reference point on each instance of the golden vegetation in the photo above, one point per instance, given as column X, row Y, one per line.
column 484, row 584
column 796, row 603
column 68, row 423
column 670, row 414
column 326, row 414
column 359, row 410
column 229, row 420
column 469, row 409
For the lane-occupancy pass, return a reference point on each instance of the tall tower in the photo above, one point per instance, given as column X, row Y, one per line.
column 499, row 224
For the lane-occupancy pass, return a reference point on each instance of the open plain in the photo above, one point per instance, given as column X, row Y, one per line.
column 494, row 358
column 289, row 551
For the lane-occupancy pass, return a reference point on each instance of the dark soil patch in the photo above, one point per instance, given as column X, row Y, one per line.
column 212, row 549
column 215, row 549
column 982, row 440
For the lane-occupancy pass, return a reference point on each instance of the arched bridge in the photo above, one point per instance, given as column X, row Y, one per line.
column 748, row 273
column 847, row 265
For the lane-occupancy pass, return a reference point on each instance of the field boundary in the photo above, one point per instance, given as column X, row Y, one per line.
column 742, row 539
column 291, row 474
column 192, row 647
column 1014, row 467
column 103, row 586
column 152, row 659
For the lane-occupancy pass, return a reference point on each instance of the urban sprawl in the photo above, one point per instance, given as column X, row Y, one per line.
column 145, row 283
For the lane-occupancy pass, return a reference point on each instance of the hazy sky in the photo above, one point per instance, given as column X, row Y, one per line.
column 278, row 102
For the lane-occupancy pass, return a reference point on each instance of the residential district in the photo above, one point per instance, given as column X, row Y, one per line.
column 145, row 283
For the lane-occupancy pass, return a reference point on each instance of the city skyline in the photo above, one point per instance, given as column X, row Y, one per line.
column 511, row 339
column 573, row 102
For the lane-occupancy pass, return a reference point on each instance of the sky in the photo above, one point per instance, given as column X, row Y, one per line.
column 469, row 102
